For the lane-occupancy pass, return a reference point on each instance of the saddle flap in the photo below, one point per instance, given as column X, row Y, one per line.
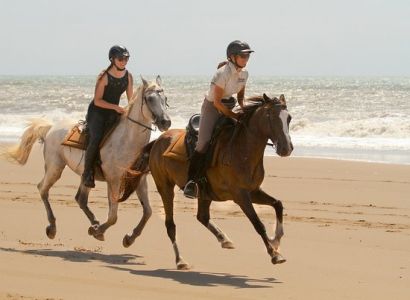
column 177, row 150
column 76, row 137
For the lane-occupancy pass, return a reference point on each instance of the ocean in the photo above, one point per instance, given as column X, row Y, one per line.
column 350, row 118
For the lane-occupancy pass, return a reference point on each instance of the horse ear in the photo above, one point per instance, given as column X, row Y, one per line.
column 282, row 98
column 144, row 82
column 265, row 97
column 159, row 80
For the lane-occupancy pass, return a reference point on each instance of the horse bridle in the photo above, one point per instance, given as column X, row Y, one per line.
column 276, row 105
column 142, row 103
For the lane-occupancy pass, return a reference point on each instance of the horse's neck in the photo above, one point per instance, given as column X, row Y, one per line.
column 251, row 141
column 131, row 132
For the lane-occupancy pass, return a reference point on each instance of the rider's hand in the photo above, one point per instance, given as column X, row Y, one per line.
column 120, row 110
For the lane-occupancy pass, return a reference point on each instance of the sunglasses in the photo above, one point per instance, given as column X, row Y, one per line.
column 244, row 55
column 123, row 58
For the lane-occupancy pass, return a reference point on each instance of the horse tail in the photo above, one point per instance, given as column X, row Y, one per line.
column 132, row 177
column 36, row 130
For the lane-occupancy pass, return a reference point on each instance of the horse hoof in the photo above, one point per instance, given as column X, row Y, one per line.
column 51, row 231
column 227, row 245
column 127, row 241
column 278, row 259
column 99, row 237
column 92, row 230
column 182, row 266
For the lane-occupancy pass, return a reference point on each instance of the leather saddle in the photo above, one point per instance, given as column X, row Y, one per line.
column 182, row 147
column 77, row 137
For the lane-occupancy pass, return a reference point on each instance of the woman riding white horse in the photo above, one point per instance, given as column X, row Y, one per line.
column 120, row 149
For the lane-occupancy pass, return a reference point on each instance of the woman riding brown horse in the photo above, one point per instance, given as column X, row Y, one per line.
column 235, row 173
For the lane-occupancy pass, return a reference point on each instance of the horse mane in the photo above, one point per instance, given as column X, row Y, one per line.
column 254, row 102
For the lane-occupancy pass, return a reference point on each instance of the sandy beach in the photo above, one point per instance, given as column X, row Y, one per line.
column 347, row 236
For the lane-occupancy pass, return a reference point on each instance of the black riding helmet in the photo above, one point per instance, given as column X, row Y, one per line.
column 118, row 51
column 237, row 47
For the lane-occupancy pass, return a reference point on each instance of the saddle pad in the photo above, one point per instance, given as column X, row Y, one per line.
column 177, row 150
column 75, row 138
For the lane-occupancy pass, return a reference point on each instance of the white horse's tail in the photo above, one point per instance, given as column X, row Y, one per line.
column 36, row 130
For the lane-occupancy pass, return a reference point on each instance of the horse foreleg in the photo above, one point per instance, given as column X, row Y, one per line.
column 203, row 216
column 98, row 231
column 243, row 199
column 142, row 192
column 82, row 199
column 52, row 174
column 260, row 197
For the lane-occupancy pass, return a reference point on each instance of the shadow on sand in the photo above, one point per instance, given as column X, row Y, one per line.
column 115, row 261
column 204, row 278
column 81, row 256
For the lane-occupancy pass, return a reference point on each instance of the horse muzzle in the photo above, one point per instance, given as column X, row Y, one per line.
column 163, row 124
column 284, row 149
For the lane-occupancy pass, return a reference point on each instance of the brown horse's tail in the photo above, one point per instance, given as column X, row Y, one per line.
column 132, row 177
column 36, row 130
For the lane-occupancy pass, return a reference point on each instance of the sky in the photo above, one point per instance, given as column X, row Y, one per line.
column 189, row 37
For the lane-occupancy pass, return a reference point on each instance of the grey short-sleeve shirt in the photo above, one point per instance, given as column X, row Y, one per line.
column 229, row 79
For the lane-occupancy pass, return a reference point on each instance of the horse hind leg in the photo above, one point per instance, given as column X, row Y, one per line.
column 142, row 193
column 52, row 174
column 203, row 216
column 82, row 199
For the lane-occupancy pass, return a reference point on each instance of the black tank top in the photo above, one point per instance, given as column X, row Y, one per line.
column 112, row 92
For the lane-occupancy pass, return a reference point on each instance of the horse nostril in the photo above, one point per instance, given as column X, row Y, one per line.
column 165, row 123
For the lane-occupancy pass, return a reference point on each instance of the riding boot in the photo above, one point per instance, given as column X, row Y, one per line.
column 194, row 173
column 89, row 161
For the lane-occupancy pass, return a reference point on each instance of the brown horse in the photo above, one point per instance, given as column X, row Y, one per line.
column 235, row 173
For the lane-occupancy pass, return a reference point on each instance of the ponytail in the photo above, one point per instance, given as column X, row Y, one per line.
column 101, row 75
column 221, row 64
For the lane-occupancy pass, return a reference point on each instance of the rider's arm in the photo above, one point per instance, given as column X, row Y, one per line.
column 218, row 93
column 130, row 88
column 99, row 92
column 241, row 96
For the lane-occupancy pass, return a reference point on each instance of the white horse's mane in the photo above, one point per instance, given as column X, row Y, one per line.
column 138, row 92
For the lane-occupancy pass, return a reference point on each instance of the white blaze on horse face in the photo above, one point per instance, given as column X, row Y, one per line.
column 283, row 116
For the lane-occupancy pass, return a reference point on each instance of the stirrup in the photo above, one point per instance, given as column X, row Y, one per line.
column 191, row 189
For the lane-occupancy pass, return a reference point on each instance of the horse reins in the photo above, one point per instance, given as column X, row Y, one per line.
column 142, row 103
column 145, row 126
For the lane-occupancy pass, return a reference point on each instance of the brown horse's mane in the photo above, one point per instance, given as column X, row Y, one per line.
column 253, row 103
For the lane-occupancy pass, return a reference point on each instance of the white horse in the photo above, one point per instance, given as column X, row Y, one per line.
column 133, row 131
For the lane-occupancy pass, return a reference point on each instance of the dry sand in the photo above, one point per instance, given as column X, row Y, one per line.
column 347, row 236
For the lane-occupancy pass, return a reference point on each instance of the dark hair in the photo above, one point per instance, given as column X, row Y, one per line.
column 221, row 64
column 103, row 72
